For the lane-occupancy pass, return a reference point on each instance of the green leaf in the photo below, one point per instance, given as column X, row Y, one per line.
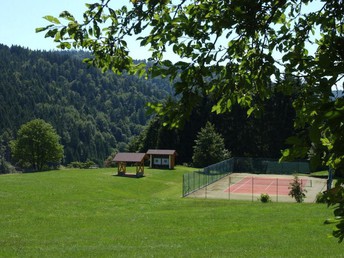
column 249, row 112
column 332, row 114
column 51, row 33
column 67, row 15
column 217, row 107
column 286, row 153
column 229, row 103
column 57, row 36
column 43, row 28
column 52, row 19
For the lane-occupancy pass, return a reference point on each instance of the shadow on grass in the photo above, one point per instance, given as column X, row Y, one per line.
column 130, row 175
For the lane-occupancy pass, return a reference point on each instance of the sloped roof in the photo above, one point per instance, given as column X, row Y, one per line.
column 161, row 152
column 129, row 157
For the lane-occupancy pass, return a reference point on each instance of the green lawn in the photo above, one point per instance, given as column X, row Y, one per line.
column 93, row 213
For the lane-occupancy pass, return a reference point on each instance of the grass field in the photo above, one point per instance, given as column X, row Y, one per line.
column 92, row 213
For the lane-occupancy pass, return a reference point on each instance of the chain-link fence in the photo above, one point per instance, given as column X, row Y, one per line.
column 206, row 176
column 245, row 186
column 269, row 166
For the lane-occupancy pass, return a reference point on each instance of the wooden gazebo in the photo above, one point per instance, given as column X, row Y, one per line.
column 122, row 158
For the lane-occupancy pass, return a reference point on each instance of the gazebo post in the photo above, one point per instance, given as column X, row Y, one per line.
column 140, row 167
column 122, row 166
column 122, row 158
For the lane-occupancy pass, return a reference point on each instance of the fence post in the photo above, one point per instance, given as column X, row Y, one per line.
column 329, row 179
column 188, row 183
column 199, row 180
column 183, row 187
column 276, row 189
column 252, row 186
column 298, row 167
column 229, row 187
column 301, row 184
column 194, row 174
column 206, row 187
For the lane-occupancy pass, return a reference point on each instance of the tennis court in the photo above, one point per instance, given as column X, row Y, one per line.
column 245, row 186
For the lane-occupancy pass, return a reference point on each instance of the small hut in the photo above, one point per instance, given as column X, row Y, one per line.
column 162, row 158
column 122, row 158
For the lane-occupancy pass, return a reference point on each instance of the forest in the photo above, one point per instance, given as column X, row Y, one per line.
column 97, row 114
column 94, row 113
column 261, row 135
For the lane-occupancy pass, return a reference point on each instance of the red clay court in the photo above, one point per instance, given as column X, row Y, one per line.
column 246, row 186
column 258, row 185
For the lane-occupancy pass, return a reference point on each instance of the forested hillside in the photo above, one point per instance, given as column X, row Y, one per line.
column 96, row 113
column 93, row 112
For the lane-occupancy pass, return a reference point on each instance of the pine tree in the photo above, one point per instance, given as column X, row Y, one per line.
column 209, row 147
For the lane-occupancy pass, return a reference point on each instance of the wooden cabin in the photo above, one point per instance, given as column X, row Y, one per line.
column 162, row 158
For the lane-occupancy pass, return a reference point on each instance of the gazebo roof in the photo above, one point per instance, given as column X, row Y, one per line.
column 129, row 157
column 161, row 152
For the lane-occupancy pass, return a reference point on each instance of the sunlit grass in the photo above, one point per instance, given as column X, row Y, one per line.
column 94, row 213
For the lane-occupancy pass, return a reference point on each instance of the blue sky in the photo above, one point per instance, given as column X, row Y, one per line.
column 20, row 18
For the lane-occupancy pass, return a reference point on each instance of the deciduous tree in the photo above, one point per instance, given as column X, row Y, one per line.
column 37, row 145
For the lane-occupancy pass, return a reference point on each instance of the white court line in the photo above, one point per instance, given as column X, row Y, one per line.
column 242, row 184
column 272, row 181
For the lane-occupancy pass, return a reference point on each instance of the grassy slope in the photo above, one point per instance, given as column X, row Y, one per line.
column 91, row 213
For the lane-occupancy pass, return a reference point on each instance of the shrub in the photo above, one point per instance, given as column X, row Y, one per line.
column 264, row 197
column 321, row 198
column 78, row 164
column 296, row 190
column 109, row 163
column 6, row 167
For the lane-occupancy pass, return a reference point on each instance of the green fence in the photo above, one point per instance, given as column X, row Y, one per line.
column 269, row 166
column 203, row 177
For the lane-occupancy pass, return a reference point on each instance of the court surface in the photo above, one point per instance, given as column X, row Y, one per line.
column 245, row 186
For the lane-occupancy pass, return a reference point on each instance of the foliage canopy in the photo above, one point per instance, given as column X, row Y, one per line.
column 229, row 51
column 37, row 145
